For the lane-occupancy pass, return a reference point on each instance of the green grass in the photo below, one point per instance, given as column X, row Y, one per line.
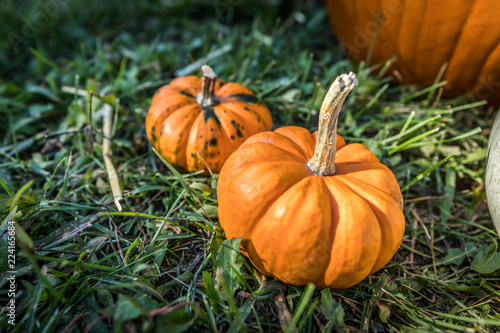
column 162, row 263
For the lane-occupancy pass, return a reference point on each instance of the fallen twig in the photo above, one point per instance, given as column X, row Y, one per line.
column 107, row 153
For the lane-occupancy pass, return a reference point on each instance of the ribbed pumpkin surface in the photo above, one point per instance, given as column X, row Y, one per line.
column 299, row 227
column 309, row 207
column 424, row 35
column 189, row 133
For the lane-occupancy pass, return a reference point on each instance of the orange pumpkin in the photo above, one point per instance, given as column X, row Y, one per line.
column 424, row 35
column 309, row 207
column 195, row 122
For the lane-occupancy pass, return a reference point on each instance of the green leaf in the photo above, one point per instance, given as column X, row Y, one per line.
column 37, row 110
column 384, row 313
column 203, row 188
column 244, row 310
column 331, row 309
column 455, row 256
column 487, row 260
column 23, row 240
column 175, row 322
column 212, row 211
column 212, row 293
column 91, row 304
column 76, row 116
column 128, row 308
column 159, row 255
column 466, row 288
column 216, row 241
column 229, row 262
column 23, row 204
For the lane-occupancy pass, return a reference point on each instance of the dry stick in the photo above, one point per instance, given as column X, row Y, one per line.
column 90, row 325
column 204, row 210
column 432, row 248
column 90, row 128
column 107, row 152
column 45, row 136
column 113, row 222
column 284, row 315
column 323, row 161
column 142, row 230
column 56, row 251
column 72, row 323
column 413, row 242
column 118, row 244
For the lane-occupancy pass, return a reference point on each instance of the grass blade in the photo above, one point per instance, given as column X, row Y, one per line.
column 426, row 172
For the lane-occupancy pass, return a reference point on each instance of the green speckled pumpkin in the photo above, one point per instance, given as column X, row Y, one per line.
column 198, row 122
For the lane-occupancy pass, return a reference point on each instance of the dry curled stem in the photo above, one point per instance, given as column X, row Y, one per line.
column 323, row 161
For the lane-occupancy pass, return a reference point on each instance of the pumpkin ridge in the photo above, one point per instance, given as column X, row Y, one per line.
column 341, row 178
column 404, row 59
column 172, row 107
column 280, row 183
column 231, row 88
column 198, row 128
column 334, row 185
column 245, row 98
column 419, row 37
column 167, row 100
column 301, row 186
column 160, row 111
column 305, row 157
column 225, row 145
column 388, row 174
column 478, row 84
column 228, row 121
column 485, row 62
column 294, row 136
column 185, row 93
column 179, row 152
column 459, row 36
column 251, row 122
column 209, row 112
column 256, row 161
column 334, row 221
column 295, row 145
column 251, row 113
column 377, row 212
column 191, row 82
column 352, row 152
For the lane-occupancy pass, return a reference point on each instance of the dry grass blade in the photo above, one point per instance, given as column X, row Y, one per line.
column 107, row 153
column 284, row 315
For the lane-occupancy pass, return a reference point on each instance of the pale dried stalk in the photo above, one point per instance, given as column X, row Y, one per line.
column 107, row 125
column 323, row 161
column 207, row 95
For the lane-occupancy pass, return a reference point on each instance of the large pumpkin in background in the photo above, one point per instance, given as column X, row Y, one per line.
column 425, row 34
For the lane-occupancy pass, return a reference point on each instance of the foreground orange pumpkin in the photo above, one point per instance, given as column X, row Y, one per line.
column 309, row 207
column 424, row 35
column 194, row 121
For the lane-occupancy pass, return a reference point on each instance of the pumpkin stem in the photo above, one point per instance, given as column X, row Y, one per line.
column 207, row 95
column 323, row 161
